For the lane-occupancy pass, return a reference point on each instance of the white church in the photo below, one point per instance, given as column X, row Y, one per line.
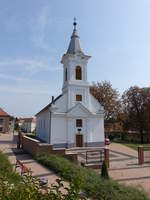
column 74, row 118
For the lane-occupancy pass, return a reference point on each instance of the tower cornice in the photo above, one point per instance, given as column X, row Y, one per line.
column 72, row 56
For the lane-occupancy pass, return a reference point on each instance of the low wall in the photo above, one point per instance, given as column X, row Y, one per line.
column 59, row 151
column 34, row 147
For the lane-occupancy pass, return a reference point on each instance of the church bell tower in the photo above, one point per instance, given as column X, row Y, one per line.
column 75, row 82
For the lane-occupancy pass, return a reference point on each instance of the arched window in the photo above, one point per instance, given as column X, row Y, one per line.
column 78, row 73
column 66, row 75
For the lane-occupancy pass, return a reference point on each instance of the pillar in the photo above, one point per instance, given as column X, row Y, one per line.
column 140, row 155
column 106, row 152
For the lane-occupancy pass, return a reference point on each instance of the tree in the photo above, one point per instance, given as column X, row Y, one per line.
column 136, row 106
column 108, row 97
column 16, row 124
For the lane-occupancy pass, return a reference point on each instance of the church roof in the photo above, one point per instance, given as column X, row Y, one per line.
column 74, row 46
column 49, row 105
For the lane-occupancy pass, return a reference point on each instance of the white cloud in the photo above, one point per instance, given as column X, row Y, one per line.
column 31, row 65
column 28, row 90
column 20, row 79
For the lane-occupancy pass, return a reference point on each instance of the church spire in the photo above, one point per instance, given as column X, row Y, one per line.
column 74, row 46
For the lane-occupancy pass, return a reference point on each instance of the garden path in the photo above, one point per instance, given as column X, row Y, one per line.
column 8, row 146
column 124, row 167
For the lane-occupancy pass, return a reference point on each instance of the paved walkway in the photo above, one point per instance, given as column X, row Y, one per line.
column 124, row 167
column 8, row 146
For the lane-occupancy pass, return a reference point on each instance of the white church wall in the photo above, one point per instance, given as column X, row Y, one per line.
column 80, row 91
column 95, row 130
column 42, row 128
column 77, row 90
column 58, row 130
column 71, row 131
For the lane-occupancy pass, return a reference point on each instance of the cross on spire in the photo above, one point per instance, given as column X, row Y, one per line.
column 75, row 22
column 74, row 45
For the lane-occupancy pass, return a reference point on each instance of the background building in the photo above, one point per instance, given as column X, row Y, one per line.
column 4, row 121
column 28, row 125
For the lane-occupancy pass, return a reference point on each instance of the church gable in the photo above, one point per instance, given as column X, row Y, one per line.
column 79, row 111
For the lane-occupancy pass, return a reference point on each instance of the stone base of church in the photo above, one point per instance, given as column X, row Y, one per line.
column 70, row 145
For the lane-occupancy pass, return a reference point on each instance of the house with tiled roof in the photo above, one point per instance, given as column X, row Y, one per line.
column 4, row 121
column 27, row 124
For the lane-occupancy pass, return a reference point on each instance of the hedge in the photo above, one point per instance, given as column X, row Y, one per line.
column 90, row 181
column 6, row 170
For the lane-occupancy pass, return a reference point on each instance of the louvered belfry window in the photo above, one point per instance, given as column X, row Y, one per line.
column 78, row 73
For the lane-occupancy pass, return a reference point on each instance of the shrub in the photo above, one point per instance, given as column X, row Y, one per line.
column 6, row 170
column 90, row 181
column 15, row 187
column 29, row 189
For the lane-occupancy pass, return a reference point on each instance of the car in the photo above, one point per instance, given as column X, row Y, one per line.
column 107, row 141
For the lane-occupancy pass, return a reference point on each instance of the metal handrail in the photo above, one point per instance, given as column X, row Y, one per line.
column 101, row 156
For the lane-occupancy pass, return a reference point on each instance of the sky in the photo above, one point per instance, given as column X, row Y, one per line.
column 34, row 34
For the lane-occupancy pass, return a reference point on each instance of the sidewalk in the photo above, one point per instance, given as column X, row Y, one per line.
column 125, row 169
column 8, row 146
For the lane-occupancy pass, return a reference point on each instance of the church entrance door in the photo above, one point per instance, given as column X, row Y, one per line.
column 79, row 140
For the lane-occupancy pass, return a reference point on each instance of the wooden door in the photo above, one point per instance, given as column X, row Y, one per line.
column 79, row 140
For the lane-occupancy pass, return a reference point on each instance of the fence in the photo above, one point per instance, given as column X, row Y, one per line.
column 96, row 156
column 143, row 154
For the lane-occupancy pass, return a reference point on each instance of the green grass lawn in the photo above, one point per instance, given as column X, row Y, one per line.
column 135, row 145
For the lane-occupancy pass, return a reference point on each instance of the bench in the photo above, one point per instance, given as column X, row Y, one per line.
column 24, row 169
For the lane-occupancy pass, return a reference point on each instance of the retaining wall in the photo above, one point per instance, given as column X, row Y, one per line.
column 34, row 147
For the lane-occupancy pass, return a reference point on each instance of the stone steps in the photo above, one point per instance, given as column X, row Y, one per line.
column 82, row 149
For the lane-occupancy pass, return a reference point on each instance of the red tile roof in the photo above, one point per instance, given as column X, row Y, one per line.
column 3, row 113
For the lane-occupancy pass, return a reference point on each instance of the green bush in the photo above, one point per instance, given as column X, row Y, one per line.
column 90, row 181
column 29, row 189
column 15, row 187
column 127, row 137
column 6, row 170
